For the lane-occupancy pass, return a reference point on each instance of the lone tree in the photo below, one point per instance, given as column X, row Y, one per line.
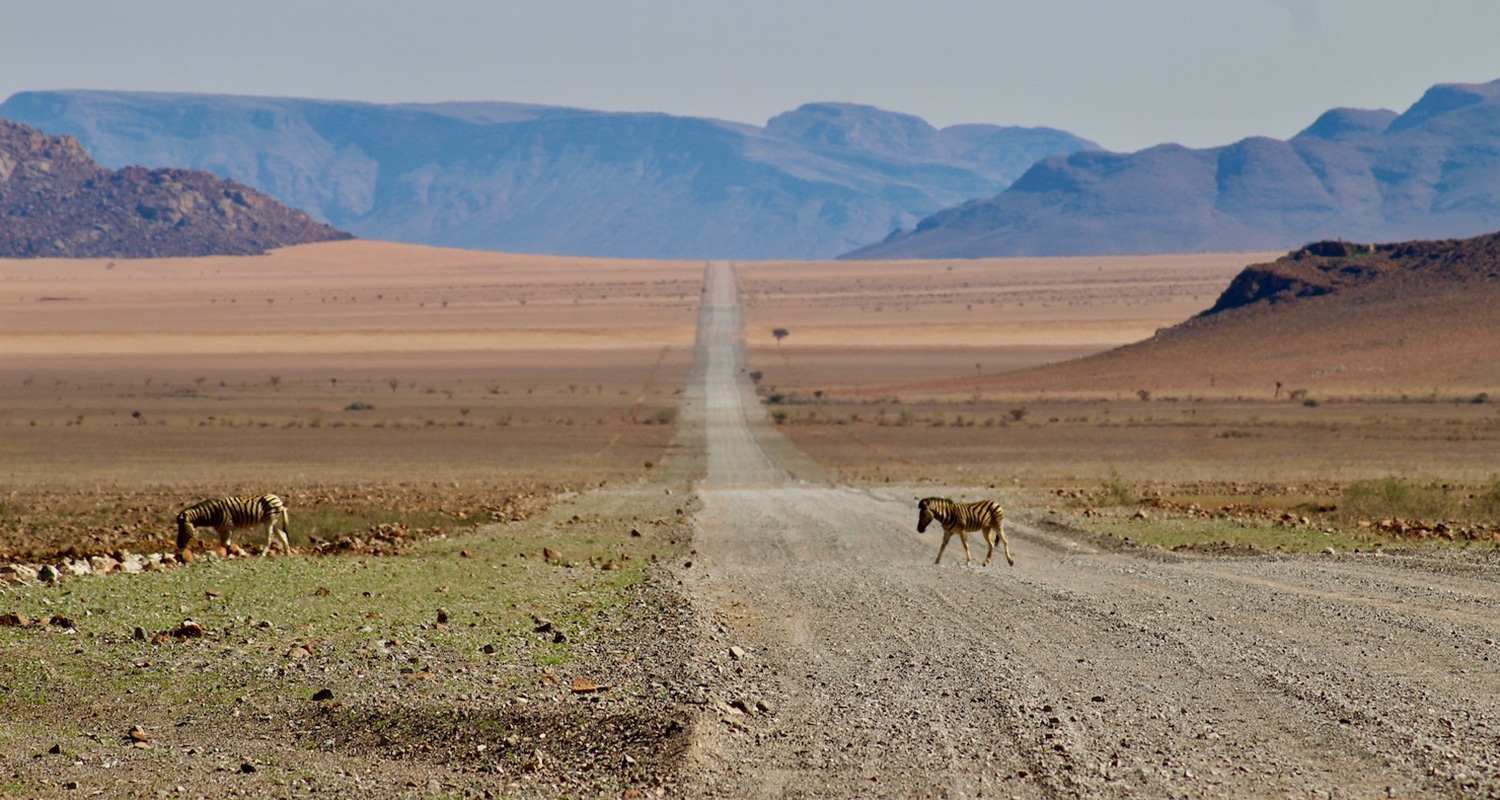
column 779, row 333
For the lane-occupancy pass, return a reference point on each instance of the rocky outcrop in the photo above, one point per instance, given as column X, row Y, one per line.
column 56, row 202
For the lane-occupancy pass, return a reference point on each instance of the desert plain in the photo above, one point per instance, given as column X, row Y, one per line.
column 532, row 595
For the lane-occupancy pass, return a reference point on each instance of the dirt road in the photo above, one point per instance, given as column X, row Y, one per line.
column 841, row 662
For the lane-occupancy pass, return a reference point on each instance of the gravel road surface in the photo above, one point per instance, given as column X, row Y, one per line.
column 838, row 661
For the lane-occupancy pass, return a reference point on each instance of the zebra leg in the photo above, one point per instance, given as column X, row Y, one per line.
column 947, row 534
column 272, row 532
column 1000, row 532
column 989, row 540
column 963, row 539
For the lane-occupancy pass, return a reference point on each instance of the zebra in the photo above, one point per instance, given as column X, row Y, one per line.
column 225, row 514
column 960, row 518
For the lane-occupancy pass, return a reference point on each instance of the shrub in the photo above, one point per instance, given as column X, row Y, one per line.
column 1116, row 491
column 1486, row 504
column 359, row 405
column 1396, row 498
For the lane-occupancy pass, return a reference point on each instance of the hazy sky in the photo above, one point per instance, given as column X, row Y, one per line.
column 1126, row 73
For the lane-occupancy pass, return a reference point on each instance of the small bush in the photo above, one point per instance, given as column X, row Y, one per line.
column 1116, row 491
column 1395, row 498
column 1486, row 504
column 359, row 405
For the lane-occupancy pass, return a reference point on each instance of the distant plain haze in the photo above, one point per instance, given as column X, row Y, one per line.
column 1125, row 73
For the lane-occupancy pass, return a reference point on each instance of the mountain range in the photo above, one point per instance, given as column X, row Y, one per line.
column 1430, row 172
column 812, row 183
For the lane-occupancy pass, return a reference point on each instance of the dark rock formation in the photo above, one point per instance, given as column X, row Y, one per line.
column 55, row 201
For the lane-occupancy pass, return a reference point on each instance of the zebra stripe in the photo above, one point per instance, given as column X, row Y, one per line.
column 961, row 518
column 225, row 514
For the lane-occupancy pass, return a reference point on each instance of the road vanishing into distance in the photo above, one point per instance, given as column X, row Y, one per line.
column 861, row 669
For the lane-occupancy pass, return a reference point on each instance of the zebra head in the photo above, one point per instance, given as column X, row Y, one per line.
column 184, row 530
column 924, row 514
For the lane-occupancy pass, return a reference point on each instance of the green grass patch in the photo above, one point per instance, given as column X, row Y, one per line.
column 1435, row 501
column 454, row 616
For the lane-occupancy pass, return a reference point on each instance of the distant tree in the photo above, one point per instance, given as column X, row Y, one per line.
column 779, row 333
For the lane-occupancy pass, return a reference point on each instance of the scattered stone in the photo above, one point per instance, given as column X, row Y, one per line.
column 103, row 565
column 19, row 572
column 138, row 734
column 323, row 591
column 11, row 619
column 78, row 568
column 139, row 634
column 442, row 616
column 48, row 574
column 586, row 686
column 543, row 625
column 1329, row 551
column 247, row 768
column 299, row 652
column 552, row 556
column 488, row 649
column 60, row 621
column 736, row 652
column 209, row 594
column 55, row 750
column 465, row 554
column 322, row 695
column 188, row 630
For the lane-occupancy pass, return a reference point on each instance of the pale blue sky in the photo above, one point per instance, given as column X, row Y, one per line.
column 1126, row 73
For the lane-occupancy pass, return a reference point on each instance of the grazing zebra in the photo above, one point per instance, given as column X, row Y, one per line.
column 960, row 518
column 225, row 514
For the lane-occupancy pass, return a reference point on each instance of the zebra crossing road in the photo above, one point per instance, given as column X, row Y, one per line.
column 863, row 670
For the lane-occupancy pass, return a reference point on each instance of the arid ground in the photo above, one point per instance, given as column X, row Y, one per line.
column 594, row 547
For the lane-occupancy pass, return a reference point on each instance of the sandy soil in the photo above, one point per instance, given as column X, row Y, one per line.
column 867, row 326
column 150, row 384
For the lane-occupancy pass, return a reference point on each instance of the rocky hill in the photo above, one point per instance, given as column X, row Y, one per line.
column 1417, row 318
column 1361, row 175
column 812, row 183
column 55, row 201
